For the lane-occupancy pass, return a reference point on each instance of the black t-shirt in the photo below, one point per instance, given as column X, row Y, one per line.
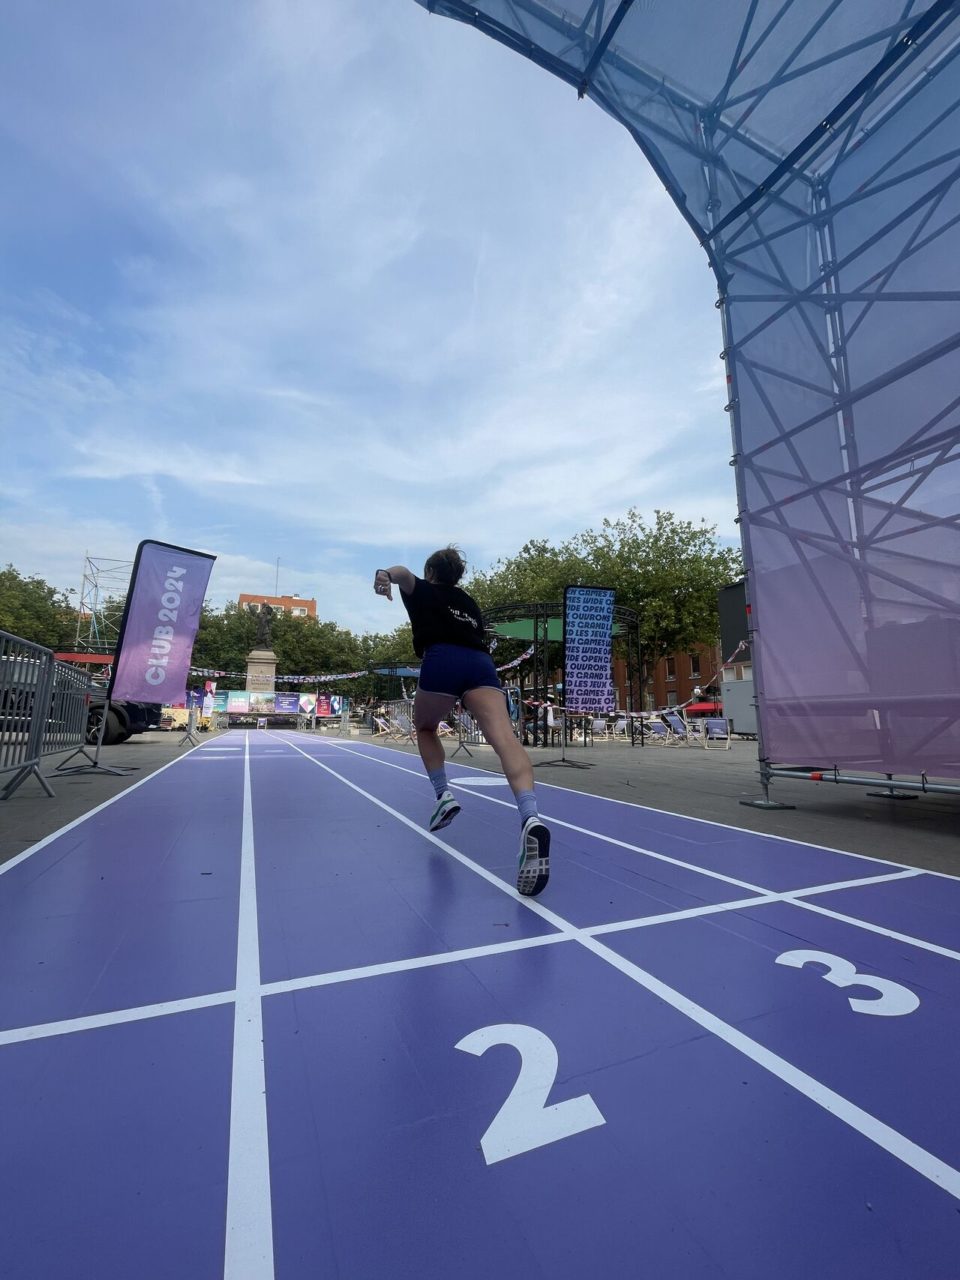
column 441, row 614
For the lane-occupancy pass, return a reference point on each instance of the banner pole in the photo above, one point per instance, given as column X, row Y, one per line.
column 94, row 760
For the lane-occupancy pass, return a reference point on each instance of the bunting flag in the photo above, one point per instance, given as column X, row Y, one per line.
column 508, row 666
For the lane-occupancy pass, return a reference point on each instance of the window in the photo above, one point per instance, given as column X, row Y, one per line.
column 299, row 613
column 671, row 699
column 671, row 668
column 695, row 665
column 253, row 606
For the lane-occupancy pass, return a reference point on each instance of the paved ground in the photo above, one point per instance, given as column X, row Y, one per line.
column 921, row 832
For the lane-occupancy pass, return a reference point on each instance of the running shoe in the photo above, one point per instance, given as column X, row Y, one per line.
column 445, row 812
column 533, row 871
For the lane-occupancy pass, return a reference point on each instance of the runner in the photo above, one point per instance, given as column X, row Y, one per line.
column 456, row 664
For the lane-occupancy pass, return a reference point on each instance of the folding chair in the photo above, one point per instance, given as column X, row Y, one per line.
column 716, row 734
column 406, row 728
column 677, row 726
column 656, row 732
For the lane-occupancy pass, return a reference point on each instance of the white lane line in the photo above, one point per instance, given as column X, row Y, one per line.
column 879, row 928
column 85, row 817
column 768, row 895
column 789, row 896
column 495, row 781
column 663, row 857
column 571, row 826
column 687, row 817
column 114, row 1017
column 404, row 966
column 882, row 1135
column 111, row 1018
column 249, row 1235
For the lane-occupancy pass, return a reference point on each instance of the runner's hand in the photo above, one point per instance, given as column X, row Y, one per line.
column 382, row 585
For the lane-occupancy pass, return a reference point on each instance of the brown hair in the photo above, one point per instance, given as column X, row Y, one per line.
column 447, row 566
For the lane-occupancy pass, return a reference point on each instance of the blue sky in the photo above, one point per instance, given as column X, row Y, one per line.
column 336, row 282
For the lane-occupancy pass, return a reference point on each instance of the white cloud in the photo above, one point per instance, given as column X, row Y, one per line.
column 350, row 288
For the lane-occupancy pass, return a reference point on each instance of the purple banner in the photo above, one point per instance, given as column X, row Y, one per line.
column 160, row 623
column 287, row 704
column 587, row 639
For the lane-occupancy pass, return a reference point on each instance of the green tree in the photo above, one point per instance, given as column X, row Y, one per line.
column 33, row 610
column 669, row 572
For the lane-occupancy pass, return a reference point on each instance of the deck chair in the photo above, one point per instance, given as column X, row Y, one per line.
column 677, row 726
column 716, row 734
column 600, row 729
column 444, row 730
column 620, row 728
column 383, row 728
column 656, row 733
column 405, row 726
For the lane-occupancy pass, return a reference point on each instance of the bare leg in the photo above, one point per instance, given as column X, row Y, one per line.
column 489, row 709
column 428, row 710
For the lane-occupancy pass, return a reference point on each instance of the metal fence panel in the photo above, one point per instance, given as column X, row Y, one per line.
column 66, row 723
column 26, row 675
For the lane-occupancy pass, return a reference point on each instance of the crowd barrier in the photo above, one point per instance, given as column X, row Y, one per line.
column 44, row 707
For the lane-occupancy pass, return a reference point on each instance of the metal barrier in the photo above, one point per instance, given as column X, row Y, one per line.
column 26, row 673
column 44, row 709
column 69, row 714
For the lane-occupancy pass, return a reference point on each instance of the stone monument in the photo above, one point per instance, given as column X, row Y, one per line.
column 261, row 660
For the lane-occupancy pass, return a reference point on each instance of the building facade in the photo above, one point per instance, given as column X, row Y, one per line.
column 295, row 606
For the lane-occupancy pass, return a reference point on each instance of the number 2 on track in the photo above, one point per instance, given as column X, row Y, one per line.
column 894, row 999
column 525, row 1122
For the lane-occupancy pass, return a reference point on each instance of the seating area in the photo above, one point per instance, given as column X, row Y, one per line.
column 665, row 728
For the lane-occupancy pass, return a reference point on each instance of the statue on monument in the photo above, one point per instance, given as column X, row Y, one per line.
column 264, row 624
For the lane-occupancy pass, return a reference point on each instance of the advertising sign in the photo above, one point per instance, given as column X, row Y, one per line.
column 587, row 643
column 220, row 700
column 308, row 703
column 160, row 621
column 261, row 703
column 238, row 702
column 287, row 704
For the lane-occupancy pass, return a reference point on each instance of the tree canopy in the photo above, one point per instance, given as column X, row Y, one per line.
column 33, row 610
column 669, row 571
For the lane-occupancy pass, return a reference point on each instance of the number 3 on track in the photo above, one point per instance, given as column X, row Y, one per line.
column 525, row 1122
column 893, row 998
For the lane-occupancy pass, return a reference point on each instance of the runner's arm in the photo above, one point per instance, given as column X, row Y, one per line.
column 397, row 573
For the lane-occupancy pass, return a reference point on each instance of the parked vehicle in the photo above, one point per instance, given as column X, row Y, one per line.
column 123, row 719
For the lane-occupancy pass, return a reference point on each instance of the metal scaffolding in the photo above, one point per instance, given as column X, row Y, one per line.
column 811, row 146
column 102, row 594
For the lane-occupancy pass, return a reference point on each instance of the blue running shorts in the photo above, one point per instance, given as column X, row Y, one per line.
column 455, row 670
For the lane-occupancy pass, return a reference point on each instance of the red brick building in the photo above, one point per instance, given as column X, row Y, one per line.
column 296, row 606
column 673, row 679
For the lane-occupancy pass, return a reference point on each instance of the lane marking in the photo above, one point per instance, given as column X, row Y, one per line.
column 113, row 1018
column 479, row 782
column 415, row 962
column 84, row 817
column 92, row 1022
column 879, row 928
column 787, row 895
column 248, row 1251
column 876, row 1131
column 684, row 817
